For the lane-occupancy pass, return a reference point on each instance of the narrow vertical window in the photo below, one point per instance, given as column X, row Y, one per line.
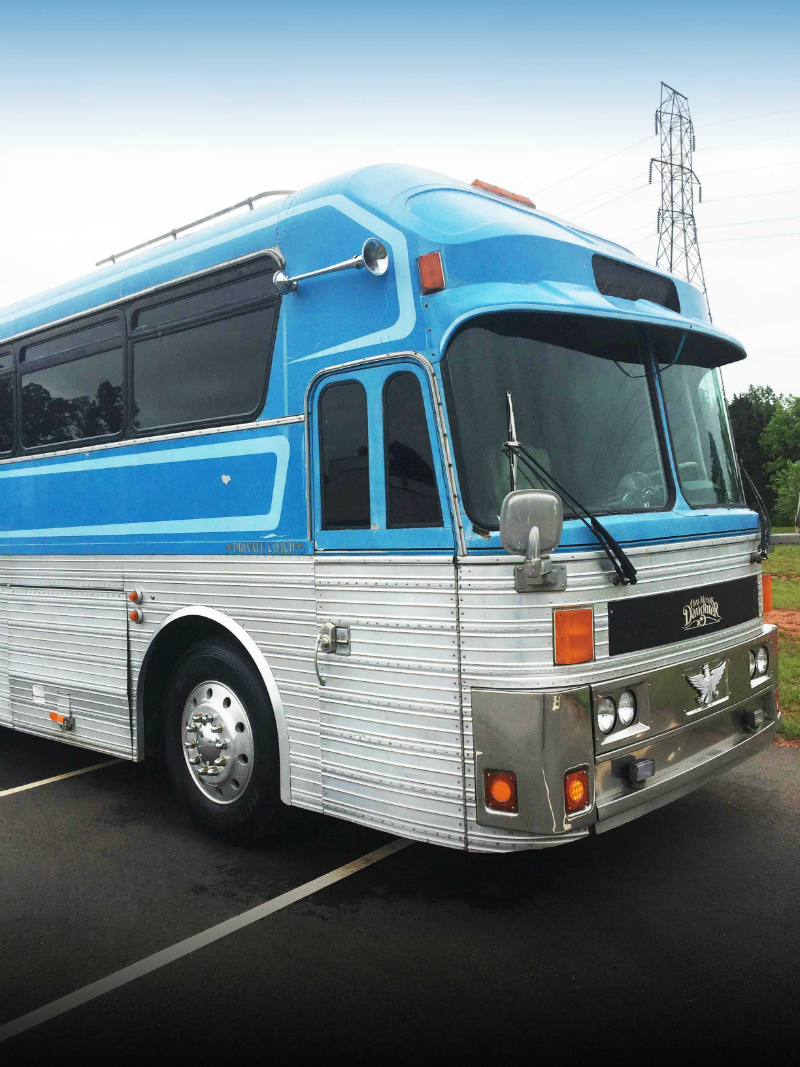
column 412, row 496
column 344, row 452
column 6, row 414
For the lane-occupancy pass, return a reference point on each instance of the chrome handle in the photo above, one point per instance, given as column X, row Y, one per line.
column 323, row 642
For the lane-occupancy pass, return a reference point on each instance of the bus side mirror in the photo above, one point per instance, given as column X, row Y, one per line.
column 530, row 525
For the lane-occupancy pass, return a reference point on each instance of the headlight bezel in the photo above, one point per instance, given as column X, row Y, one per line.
column 601, row 712
column 630, row 703
column 762, row 661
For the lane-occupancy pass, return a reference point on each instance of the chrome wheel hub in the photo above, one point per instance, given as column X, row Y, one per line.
column 217, row 742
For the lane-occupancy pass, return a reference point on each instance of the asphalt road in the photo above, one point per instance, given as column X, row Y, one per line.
column 675, row 935
column 786, row 539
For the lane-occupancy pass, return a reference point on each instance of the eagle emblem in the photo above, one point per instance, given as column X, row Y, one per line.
column 706, row 683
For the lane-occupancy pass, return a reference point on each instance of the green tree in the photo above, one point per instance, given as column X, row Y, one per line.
column 750, row 414
column 781, row 438
column 786, row 483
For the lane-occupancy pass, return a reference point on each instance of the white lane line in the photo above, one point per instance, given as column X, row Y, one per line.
column 191, row 944
column 58, row 777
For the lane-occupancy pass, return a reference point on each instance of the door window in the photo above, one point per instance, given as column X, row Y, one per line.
column 344, row 448
column 412, row 496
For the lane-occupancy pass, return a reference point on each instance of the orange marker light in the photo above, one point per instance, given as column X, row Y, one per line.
column 574, row 635
column 500, row 788
column 431, row 273
column 499, row 191
column 766, row 591
column 60, row 719
column 576, row 790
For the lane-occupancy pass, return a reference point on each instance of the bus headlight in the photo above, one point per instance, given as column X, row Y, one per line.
column 626, row 708
column 762, row 660
column 606, row 715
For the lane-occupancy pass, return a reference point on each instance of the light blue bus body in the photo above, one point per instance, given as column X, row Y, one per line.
column 219, row 528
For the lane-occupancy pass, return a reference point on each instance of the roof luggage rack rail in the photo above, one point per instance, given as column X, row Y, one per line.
column 190, row 225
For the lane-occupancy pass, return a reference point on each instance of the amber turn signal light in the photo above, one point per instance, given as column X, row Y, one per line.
column 431, row 273
column 500, row 788
column 576, row 790
column 766, row 592
column 574, row 635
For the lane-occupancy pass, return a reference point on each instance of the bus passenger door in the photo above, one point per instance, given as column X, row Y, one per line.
column 387, row 640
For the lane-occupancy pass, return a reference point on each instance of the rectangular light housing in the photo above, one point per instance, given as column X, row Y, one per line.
column 431, row 273
column 574, row 635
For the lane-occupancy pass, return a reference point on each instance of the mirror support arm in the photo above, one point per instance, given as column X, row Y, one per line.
column 537, row 572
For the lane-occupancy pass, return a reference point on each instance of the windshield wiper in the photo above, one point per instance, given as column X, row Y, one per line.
column 763, row 520
column 624, row 570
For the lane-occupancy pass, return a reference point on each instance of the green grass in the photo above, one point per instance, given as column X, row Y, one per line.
column 789, row 671
column 784, row 562
column 782, row 529
column 786, row 594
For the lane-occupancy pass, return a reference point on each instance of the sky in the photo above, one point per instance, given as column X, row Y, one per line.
column 121, row 120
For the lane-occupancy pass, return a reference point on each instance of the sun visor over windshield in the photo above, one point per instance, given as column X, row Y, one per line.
column 693, row 349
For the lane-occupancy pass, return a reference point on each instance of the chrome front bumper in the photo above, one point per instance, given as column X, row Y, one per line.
column 542, row 735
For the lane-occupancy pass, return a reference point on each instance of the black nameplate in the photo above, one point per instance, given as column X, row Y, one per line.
column 648, row 621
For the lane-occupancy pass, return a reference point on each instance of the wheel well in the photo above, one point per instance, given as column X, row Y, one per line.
column 159, row 662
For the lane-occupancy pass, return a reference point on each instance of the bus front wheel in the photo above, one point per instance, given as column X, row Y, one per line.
column 221, row 743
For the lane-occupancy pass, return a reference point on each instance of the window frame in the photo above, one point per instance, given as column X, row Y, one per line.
column 68, row 355
column 208, row 283
column 337, row 384
column 11, row 376
column 385, row 412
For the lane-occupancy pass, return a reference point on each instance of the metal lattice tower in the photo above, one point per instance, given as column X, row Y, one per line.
column 678, row 248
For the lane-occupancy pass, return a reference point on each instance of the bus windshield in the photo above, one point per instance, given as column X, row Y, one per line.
column 583, row 408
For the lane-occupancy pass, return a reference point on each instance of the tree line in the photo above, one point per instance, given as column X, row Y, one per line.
column 766, row 428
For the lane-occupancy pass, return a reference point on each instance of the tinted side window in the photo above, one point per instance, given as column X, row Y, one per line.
column 216, row 370
column 412, row 497
column 6, row 414
column 344, row 451
column 79, row 399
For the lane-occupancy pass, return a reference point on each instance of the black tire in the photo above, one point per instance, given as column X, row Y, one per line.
column 258, row 811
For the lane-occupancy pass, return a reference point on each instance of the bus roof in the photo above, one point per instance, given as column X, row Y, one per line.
column 486, row 237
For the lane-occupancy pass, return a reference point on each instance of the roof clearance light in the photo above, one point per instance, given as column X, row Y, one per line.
column 500, row 789
column 431, row 273
column 498, row 191
column 576, row 790
column 574, row 635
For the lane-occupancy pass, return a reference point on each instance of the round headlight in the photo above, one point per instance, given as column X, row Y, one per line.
column 606, row 715
column 626, row 708
column 752, row 663
column 762, row 660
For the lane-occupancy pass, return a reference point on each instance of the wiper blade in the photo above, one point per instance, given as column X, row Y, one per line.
column 763, row 518
column 624, row 570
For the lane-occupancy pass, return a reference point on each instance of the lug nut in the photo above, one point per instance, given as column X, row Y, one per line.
column 217, row 727
column 192, row 743
column 221, row 744
column 220, row 761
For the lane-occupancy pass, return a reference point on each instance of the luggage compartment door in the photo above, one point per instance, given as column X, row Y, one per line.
column 68, row 665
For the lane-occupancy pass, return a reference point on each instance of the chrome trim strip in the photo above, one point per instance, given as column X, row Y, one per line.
column 274, row 253
column 207, row 430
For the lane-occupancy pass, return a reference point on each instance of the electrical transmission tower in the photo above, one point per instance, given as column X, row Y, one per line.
column 678, row 248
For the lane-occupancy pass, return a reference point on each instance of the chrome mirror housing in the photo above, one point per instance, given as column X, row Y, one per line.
column 531, row 521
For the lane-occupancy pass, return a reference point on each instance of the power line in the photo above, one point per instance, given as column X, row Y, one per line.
column 766, row 166
column 749, row 222
column 754, row 237
column 752, row 140
column 746, row 118
column 607, row 202
column 592, row 165
column 589, row 199
column 746, row 196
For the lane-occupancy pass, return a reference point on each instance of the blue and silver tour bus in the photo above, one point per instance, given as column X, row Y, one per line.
column 395, row 499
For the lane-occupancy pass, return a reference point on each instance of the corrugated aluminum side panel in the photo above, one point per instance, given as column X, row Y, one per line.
column 390, row 717
column 68, row 653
